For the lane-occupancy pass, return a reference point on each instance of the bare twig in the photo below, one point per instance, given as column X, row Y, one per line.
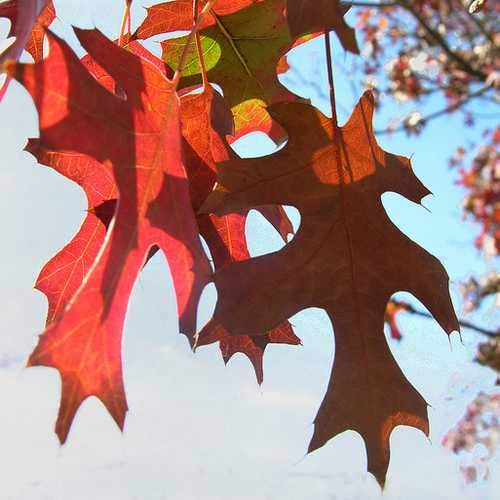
column 448, row 109
column 377, row 5
column 199, row 50
column 481, row 27
column 436, row 36
column 466, row 324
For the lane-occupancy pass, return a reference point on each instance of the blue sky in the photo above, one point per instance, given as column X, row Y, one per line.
column 198, row 429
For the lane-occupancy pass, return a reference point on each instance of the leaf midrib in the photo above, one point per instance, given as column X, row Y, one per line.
column 232, row 43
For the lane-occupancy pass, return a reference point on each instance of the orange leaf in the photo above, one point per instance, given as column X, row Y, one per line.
column 138, row 139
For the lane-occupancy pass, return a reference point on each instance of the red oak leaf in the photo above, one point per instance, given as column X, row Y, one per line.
column 34, row 44
column 138, row 138
column 23, row 15
column 347, row 258
column 252, row 347
column 63, row 275
column 177, row 15
column 225, row 237
column 305, row 16
column 205, row 120
column 244, row 53
column 28, row 20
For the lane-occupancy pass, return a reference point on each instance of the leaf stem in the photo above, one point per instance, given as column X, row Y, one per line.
column 199, row 50
column 125, row 25
column 331, row 84
column 189, row 41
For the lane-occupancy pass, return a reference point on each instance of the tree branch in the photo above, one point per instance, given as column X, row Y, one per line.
column 441, row 41
column 466, row 324
column 378, row 5
column 481, row 27
column 437, row 114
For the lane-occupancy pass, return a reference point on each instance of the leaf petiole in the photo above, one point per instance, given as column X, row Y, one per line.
column 191, row 36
